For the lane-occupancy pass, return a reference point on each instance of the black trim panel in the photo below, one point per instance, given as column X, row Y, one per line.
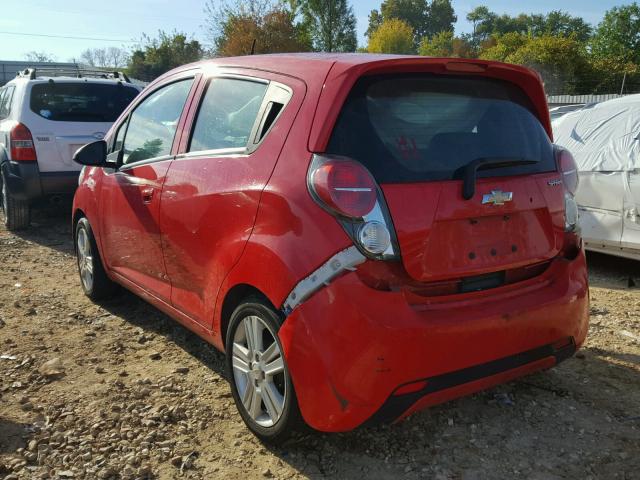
column 396, row 405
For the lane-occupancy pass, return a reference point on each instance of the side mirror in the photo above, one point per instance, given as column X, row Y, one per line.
column 93, row 154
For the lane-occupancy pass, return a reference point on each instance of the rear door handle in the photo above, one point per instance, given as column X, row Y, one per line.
column 147, row 195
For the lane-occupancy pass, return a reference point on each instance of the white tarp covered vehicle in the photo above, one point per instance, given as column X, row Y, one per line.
column 605, row 141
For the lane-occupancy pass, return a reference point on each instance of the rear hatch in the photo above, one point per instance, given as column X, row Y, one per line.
column 417, row 133
column 65, row 115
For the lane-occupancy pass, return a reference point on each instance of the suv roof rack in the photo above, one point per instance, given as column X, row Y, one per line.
column 77, row 72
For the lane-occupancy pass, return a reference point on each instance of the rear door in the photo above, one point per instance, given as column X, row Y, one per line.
column 65, row 115
column 416, row 133
column 130, row 196
column 213, row 188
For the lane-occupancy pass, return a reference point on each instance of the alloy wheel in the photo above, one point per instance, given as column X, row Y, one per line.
column 85, row 259
column 259, row 371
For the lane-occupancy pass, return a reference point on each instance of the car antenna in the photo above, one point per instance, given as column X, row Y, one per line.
column 253, row 47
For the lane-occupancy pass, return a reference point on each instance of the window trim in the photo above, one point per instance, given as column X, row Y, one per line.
column 120, row 167
column 269, row 97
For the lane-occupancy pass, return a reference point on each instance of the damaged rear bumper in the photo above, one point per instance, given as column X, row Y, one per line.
column 350, row 348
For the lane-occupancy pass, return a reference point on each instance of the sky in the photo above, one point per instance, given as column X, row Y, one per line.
column 121, row 23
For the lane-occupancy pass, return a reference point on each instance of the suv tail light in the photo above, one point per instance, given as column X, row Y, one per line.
column 22, row 148
column 569, row 170
column 345, row 188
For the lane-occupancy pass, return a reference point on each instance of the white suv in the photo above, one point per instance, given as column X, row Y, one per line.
column 45, row 116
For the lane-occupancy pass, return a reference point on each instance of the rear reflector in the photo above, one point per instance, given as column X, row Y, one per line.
column 22, row 148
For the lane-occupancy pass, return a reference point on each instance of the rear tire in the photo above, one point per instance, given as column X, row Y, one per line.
column 260, row 382
column 16, row 213
column 93, row 278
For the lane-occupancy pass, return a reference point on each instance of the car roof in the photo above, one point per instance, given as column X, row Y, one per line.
column 297, row 64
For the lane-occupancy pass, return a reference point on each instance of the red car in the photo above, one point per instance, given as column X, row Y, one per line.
column 364, row 236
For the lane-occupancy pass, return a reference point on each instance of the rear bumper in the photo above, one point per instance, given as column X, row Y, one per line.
column 26, row 182
column 349, row 347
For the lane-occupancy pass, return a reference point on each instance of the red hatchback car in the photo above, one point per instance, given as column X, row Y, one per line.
column 364, row 236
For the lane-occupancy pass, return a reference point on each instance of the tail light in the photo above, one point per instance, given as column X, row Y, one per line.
column 345, row 188
column 22, row 148
column 569, row 170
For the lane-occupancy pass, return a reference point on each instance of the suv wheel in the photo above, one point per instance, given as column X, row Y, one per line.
column 95, row 282
column 16, row 213
column 260, row 381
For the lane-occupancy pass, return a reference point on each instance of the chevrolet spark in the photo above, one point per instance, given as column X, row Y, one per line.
column 364, row 236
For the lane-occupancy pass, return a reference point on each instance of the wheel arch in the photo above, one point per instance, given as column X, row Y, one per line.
column 232, row 300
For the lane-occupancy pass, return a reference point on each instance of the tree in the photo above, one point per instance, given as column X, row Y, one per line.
column 111, row 57
column 555, row 23
column 159, row 55
column 441, row 17
column 331, row 25
column 445, row 44
column 558, row 23
column 393, row 36
column 261, row 26
column 375, row 20
column 618, row 35
column 262, row 29
column 425, row 19
column 561, row 61
column 414, row 13
column 34, row 56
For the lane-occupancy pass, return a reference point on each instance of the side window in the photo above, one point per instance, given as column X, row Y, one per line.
column 119, row 140
column 152, row 125
column 5, row 101
column 227, row 114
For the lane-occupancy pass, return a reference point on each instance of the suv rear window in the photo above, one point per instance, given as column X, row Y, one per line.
column 80, row 102
column 427, row 127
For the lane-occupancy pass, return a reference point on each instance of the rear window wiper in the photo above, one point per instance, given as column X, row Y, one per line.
column 469, row 172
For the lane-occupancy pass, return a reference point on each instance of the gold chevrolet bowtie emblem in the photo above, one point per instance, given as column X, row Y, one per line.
column 497, row 197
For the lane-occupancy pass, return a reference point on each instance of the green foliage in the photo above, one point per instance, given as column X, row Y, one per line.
column 561, row 61
column 556, row 23
column 261, row 26
column 159, row 55
column 442, row 17
column 618, row 36
column 393, row 36
column 445, row 44
column 331, row 25
column 425, row 19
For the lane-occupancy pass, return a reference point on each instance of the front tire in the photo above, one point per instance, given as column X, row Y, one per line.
column 93, row 278
column 259, row 376
column 16, row 213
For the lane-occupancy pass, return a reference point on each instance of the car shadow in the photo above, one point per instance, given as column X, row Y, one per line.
column 50, row 226
column 617, row 273
column 12, row 435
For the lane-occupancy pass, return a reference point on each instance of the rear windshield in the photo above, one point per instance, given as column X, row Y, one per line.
column 427, row 127
column 80, row 102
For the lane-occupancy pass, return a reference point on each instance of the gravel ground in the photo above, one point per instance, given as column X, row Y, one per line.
column 121, row 391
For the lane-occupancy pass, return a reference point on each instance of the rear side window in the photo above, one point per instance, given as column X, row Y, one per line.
column 227, row 114
column 5, row 101
column 153, row 123
column 427, row 127
column 80, row 102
